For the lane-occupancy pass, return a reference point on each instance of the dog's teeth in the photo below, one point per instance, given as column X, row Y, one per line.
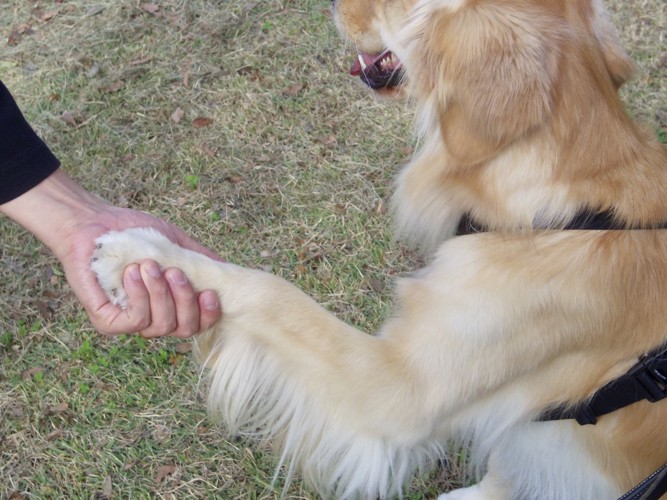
column 361, row 61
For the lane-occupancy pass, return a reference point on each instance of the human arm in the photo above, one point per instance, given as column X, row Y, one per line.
column 42, row 198
column 68, row 219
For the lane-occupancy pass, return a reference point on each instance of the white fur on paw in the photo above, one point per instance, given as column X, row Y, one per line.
column 470, row 493
column 115, row 251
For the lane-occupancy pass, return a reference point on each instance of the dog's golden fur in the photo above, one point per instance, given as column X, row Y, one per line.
column 521, row 127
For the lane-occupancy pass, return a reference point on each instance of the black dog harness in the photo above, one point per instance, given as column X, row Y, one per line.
column 586, row 220
column 646, row 380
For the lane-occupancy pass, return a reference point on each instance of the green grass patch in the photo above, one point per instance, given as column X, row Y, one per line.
column 277, row 159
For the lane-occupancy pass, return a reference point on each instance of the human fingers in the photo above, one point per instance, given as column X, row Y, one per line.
column 185, row 303
column 110, row 319
column 137, row 313
column 162, row 315
column 210, row 309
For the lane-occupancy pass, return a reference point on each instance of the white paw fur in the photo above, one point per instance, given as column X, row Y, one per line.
column 115, row 251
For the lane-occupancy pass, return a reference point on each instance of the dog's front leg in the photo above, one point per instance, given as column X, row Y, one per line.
column 478, row 343
column 343, row 407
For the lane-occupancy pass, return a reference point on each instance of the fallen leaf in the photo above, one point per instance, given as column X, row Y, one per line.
column 69, row 118
column 187, row 65
column 329, row 140
column 201, row 122
column 25, row 29
column 15, row 496
column 183, row 347
column 114, row 87
column 163, row 472
column 206, row 149
column 177, row 115
column 45, row 309
column 55, row 409
column 406, row 150
column 56, row 434
column 376, row 285
column 142, row 60
column 107, row 487
column 13, row 41
column 295, row 89
column 151, row 8
column 47, row 16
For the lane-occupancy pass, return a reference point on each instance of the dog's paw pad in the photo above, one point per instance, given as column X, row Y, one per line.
column 109, row 266
column 116, row 250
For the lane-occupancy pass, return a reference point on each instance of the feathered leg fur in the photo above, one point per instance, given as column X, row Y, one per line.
column 482, row 340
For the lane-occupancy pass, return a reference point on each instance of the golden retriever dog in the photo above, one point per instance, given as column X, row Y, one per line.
column 562, row 289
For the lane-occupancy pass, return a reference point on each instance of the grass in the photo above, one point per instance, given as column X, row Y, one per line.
column 237, row 121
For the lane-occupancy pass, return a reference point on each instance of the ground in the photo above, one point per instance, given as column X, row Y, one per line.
column 237, row 121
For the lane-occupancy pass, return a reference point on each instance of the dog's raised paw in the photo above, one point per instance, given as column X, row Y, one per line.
column 108, row 268
column 115, row 251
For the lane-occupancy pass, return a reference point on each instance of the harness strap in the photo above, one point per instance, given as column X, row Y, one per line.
column 645, row 380
column 584, row 220
column 651, row 488
column 595, row 221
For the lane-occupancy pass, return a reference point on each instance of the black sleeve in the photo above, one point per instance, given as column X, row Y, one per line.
column 25, row 160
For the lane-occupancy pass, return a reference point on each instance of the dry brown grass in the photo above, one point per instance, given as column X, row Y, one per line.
column 289, row 172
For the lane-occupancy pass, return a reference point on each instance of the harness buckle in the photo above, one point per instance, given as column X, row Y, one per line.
column 651, row 374
column 647, row 379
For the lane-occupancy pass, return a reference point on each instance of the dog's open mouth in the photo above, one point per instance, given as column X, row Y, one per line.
column 378, row 71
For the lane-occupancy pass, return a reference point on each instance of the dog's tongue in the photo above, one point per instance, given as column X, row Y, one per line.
column 362, row 61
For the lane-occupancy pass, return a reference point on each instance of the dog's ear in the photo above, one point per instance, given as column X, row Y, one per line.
column 495, row 68
column 620, row 66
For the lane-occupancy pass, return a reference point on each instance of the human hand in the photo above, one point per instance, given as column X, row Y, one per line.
column 160, row 302
column 69, row 220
